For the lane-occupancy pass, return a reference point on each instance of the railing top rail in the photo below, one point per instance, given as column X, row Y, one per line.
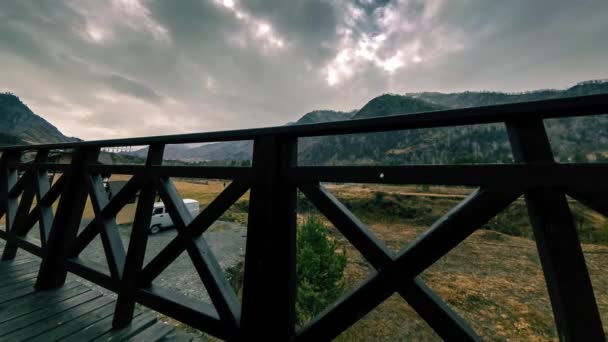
column 555, row 108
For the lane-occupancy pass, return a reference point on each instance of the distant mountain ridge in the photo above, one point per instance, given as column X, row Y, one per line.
column 482, row 143
column 240, row 150
column 391, row 104
column 19, row 125
column 573, row 139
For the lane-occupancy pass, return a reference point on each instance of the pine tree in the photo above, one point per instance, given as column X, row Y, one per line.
column 320, row 269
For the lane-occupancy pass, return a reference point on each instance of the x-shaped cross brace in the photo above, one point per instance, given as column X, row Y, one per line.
column 398, row 274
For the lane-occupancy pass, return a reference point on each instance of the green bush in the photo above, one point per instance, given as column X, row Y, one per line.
column 320, row 269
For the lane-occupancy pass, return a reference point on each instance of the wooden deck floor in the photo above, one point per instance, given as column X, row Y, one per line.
column 76, row 312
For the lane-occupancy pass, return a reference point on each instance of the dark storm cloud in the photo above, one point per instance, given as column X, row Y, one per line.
column 127, row 86
column 138, row 67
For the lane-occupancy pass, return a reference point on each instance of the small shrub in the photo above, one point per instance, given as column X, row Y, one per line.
column 320, row 269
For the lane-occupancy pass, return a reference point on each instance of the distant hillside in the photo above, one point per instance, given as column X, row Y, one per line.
column 573, row 139
column 488, row 98
column 8, row 139
column 19, row 125
column 319, row 116
column 241, row 150
column 390, row 104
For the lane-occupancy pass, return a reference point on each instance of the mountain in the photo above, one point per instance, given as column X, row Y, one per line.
column 9, row 139
column 572, row 139
column 390, row 104
column 319, row 116
column 19, row 125
column 488, row 98
column 240, row 150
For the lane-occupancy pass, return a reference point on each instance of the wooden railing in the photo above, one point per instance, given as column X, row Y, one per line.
column 267, row 311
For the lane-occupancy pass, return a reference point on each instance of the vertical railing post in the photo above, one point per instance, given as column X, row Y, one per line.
column 269, row 288
column 53, row 269
column 23, row 209
column 8, row 178
column 573, row 302
column 125, row 304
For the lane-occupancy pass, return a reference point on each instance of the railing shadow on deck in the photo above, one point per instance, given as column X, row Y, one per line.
column 267, row 311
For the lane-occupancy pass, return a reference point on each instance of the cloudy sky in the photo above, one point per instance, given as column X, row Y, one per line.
column 121, row 68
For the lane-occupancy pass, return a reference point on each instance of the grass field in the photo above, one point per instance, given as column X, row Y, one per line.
column 492, row 280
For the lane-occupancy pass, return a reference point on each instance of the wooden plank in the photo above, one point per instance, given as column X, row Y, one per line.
column 46, row 215
column 7, row 180
column 21, row 257
column 446, row 323
column 595, row 200
column 196, row 228
column 91, row 271
column 28, row 244
column 10, row 204
column 138, row 324
column 53, row 320
column 23, row 209
column 16, row 190
column 197, row 314
column 16, row 276
column 74, row 326
column 15, row 279
column 39, row 300
column 7, row 289
column 54, row 192
column 177, row 336
column 65, row 227
column 125, row 304
column 209, row 172
column 446, row 233
column 43, row 208
column 587, row 177
column 45, row 312
column 219, row 289
column 41, row 166
column 95, row 330
column 114, row 249
column 154, row 333
column 269, row 286
column 19, row 228
column 575, row 310
column 18, row 261
column 30, row 265
column 17, row 291
column 117, row 202
column 8, row 277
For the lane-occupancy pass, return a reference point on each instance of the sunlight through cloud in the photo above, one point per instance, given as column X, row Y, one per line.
column 390, row 38
column 257, row 28
column 102, row 21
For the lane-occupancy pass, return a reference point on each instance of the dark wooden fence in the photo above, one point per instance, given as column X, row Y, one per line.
column 267, row 311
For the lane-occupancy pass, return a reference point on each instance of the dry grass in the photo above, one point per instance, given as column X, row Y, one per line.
column 494, row 281
column 357, row 190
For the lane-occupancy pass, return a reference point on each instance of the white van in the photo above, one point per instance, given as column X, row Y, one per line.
column 161, row 218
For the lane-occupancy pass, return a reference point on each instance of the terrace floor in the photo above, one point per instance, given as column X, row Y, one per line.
column 75, row 312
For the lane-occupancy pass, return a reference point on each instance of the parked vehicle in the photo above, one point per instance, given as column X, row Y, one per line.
column 161, row 219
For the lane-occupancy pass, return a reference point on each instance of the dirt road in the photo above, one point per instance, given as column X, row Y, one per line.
column 227, row 242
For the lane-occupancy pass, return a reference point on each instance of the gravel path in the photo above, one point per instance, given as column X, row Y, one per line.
column 227, row 242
